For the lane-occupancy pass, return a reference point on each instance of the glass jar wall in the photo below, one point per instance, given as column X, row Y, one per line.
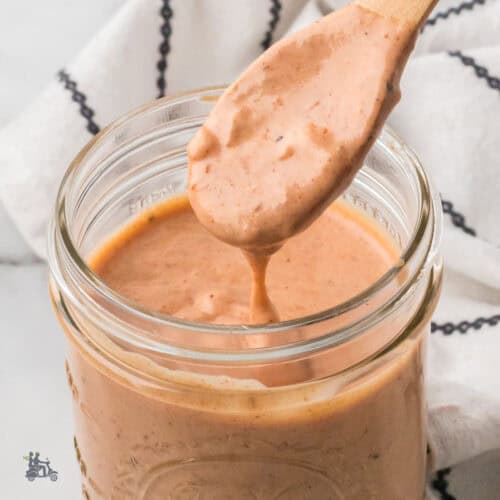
column 330, row 406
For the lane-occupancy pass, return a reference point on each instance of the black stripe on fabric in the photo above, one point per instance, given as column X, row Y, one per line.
column 166, row 13
column 81, row 99
column 275, row 11
column 457, row 218
column 440, row 484
column 464, row 326
column 455, row 11
column 481, row 72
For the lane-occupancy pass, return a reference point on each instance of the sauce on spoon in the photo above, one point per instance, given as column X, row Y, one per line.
column 289, row 135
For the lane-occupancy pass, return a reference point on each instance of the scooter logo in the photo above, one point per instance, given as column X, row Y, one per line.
column 39, row 468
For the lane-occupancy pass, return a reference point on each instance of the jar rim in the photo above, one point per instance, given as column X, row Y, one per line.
column 429, row 213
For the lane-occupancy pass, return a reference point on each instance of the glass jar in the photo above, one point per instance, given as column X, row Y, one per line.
column 330, row 406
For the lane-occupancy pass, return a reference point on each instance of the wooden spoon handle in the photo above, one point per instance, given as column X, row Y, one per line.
column 413, row 12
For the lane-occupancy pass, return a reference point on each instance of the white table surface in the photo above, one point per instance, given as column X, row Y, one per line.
column 36, row 39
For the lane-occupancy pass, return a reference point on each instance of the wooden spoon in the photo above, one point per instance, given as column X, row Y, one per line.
column 413, row 12
column 289, row 135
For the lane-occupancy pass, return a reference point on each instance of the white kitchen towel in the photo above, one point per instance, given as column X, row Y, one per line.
column 450, row 114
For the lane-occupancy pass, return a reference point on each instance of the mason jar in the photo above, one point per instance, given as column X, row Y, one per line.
column 328, row 406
